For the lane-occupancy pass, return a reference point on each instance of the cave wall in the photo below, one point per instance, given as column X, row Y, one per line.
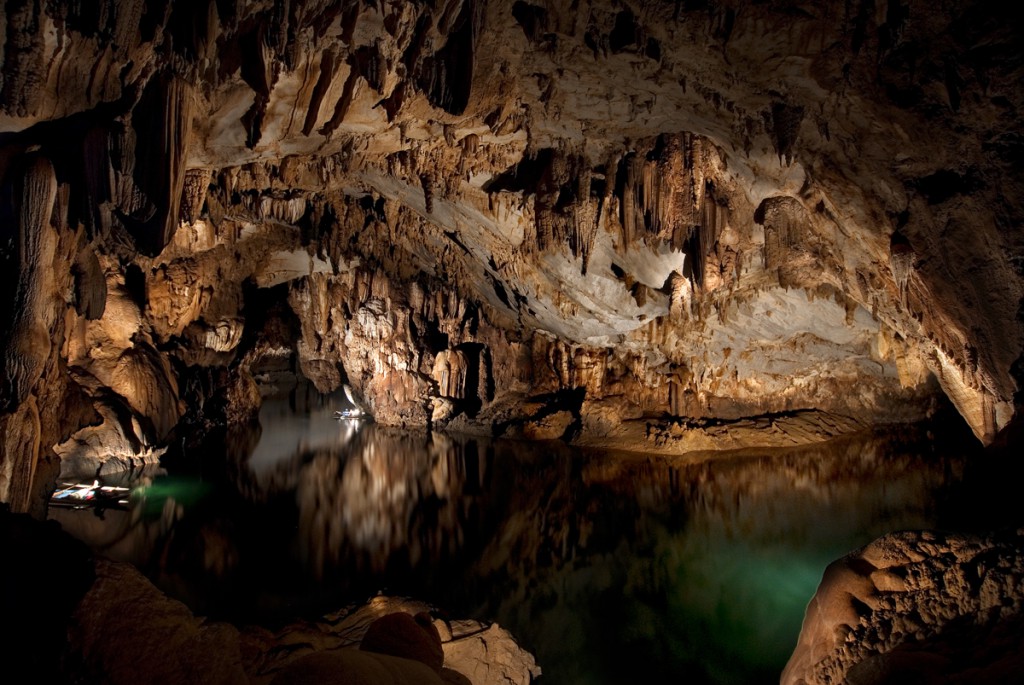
column 642, row 223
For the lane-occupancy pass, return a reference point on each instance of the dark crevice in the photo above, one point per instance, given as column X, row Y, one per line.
column 626, row 32
column 499, row 290
column 411, row 56
column 341, row 107
column 252, row 120
column 367, row 62
column 567, row 399
column 323, row 82
column 393, row 103
column 435, row 339
column 189, row 29
column 135, row 285
column 454, row 237
column 786, row 120
column 472, row 402
column 945, row 184
column 446, row 77
column 531, row 18
column 525, row 176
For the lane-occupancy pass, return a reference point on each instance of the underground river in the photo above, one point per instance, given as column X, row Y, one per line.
column 601, row 563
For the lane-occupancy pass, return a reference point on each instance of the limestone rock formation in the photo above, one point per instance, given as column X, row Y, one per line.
column 917, row 607
column 536, row 218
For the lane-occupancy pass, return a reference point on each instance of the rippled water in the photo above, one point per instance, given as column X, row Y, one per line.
column 604, row 565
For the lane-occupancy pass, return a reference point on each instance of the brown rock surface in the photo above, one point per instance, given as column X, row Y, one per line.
column 917, row 607
column 488, row 656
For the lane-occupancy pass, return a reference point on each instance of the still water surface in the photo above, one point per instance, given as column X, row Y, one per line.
column 604, row 565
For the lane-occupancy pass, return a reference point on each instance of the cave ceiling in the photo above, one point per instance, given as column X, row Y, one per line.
column 550, row 218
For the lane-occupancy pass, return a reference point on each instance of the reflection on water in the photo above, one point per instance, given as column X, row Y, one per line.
column 602, row 564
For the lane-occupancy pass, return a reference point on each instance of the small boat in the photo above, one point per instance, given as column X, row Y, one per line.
column 82, row 495
column 349, row 415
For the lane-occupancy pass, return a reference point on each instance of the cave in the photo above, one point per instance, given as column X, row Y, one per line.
column 488, row 341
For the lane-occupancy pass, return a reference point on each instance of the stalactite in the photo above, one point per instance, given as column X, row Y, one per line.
column 341, row 107
column 630, row 210
column 485, row 388
column 380, row 287
column 588, row 369
column 585, row 222
column 285, row 210
column 681, row 296
column 90, row 285
column 328, row 65
column 451, row 373
column 98, row 177
column 679, row 390
column 427, row 182
column 163, row 123
column 782, row 228
column 194, row 189
column 19, row 454
column 786, row 120
column 901, row 262
column 128, row 198
column 546, row 231
column 713, row 220
column 416, row 298
column 657, row 188
column 559, row 360
column 446, row 76
column 27, row 346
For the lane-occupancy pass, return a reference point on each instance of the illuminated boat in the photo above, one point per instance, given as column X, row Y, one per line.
column 81, row 495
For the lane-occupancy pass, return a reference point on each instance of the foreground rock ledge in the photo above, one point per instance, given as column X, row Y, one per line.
column 126, row 631
column 918, row 607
